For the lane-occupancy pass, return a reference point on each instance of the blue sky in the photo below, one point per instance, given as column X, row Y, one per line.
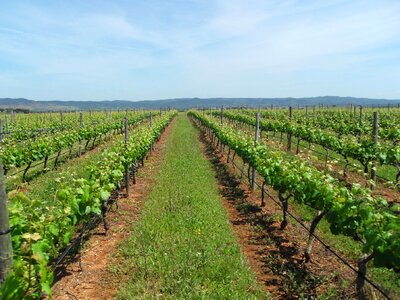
column 156, row 49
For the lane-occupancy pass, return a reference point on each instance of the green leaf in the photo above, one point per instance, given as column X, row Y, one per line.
column 53, row 229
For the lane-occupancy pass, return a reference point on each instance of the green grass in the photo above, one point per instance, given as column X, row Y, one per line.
column 183, row 246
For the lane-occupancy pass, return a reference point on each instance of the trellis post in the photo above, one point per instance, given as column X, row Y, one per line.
column 222, row 115
column 375, row 136
column 80, row 140
column 256, row 137
column 1, row 131
column 6, row 256
column 126, row 145
column 289, row 136
column 7, row 129
column 151, row 120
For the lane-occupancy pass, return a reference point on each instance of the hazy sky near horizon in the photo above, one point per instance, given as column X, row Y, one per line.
column 157, row 49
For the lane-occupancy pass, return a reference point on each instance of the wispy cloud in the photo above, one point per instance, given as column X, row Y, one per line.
column 161, row 49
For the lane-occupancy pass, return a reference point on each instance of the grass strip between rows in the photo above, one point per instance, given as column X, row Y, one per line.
column 183, row 247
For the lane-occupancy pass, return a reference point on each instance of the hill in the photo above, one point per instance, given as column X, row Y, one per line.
column 186, row 103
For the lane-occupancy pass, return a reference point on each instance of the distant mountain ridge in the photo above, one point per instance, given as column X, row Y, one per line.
column 186, row 103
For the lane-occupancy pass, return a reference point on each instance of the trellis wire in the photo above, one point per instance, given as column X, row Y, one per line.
column 326, row 246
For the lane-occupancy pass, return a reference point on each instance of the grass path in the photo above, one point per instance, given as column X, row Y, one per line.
column 183, row 246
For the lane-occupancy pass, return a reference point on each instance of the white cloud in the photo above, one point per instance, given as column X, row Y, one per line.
column 236, row 17
column 233, row 43
column 299, row 42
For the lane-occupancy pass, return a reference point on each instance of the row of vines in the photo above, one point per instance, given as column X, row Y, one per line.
column 41, row 229
column 350, row 211
column 364, row 150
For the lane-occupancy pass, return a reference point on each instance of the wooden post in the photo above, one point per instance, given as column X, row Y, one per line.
column 62, row 120
column 7, row 129
column 222, row 115
column 151, row 120
column 257, row 135
column 362, row 272
column 126, row 145
column 12, row 116
column 1, row 131
column 361, row 114
column 6, row 256
column 289, row 135
column 80, row 140
column 126, row 130
column 355, row 111
column 375, row 137
column 51, row 116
